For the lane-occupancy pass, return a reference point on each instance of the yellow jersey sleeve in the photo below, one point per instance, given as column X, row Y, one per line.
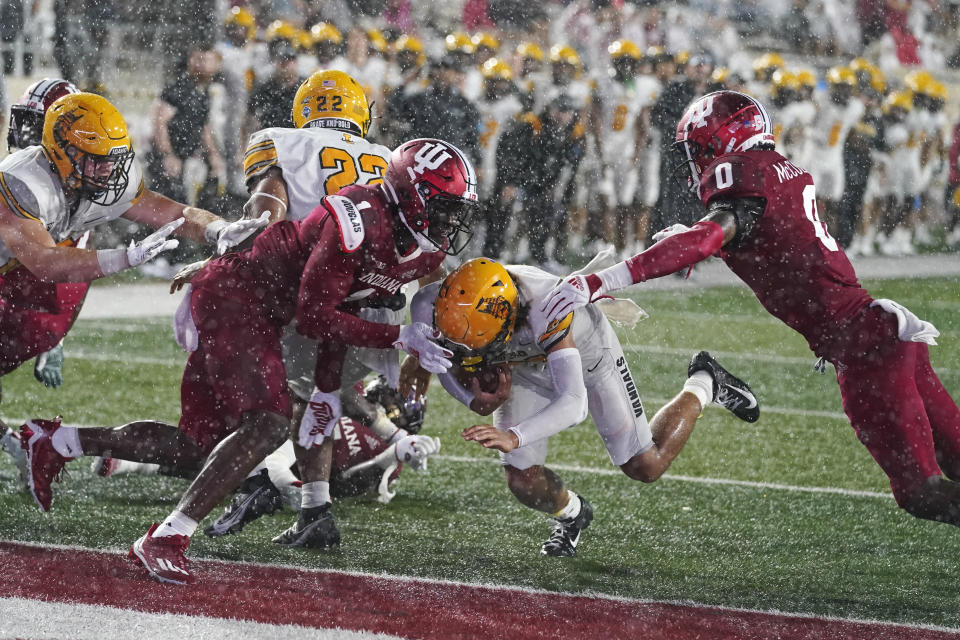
column 261, row 155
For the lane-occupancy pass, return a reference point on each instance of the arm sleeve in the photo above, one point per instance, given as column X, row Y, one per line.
column 746, row 211
column 569, row 406
column 455, row 389
column 261, row 154
column 327, row 279
column 701, row 241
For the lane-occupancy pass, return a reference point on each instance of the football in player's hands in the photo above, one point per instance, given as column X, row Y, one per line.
column 488, row 376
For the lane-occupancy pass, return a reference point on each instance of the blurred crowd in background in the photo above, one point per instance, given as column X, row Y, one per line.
column 567, row 108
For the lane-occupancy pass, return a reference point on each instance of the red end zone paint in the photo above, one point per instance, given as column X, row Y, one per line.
column 410, row 608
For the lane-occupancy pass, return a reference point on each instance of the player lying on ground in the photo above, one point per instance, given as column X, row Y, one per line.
column 762, row 221
column 81, row 175
column 376, row 436
column 356, row 248
column 539, row 379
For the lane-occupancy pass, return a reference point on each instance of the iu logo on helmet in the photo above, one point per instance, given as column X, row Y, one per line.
column 429, row 156
column 700, row 111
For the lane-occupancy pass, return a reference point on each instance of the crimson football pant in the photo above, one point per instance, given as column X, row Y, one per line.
column 27, row 332
column 902, row 414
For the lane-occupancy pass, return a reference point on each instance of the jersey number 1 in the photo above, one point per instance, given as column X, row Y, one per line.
column 810, row 209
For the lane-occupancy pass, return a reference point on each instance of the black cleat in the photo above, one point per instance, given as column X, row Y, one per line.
column 257, row 497
column 566, row 533
column 314, row 528
column 729, row 391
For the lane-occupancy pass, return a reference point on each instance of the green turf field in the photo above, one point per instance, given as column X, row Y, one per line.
column 755, row 540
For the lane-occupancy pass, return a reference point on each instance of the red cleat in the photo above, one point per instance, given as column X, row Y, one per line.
column 163, row 557
column 44, row 464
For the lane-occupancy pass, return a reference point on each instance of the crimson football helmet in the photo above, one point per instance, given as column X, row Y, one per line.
column 719, row 123
column 434, row 187
column 26, row 117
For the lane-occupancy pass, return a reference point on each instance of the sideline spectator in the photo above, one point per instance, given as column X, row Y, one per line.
column 270, row 101
column 181, row 127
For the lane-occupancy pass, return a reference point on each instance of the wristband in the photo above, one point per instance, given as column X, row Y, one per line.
column 212, row 230
column 112, row 260
column 614, row 278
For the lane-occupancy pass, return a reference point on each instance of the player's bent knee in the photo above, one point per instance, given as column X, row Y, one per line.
column 644, row 468
column 272, row 428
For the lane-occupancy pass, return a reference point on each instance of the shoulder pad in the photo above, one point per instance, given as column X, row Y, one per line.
column 348, row 220
column 732, row 176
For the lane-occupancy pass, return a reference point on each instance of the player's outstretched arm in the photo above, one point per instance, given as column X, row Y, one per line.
column 568, row 408
column 155, row 210
column 34, row 247
column 675, row 251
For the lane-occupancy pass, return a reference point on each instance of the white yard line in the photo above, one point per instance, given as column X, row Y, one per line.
column 772, row 486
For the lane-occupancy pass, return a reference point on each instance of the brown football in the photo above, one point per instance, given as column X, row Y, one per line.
column 489, row 377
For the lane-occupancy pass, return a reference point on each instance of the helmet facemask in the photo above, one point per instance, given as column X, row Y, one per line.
column 98, row 178
column 26, row 127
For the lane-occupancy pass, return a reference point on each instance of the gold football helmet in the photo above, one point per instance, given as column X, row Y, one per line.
column 898, row 100
column 765, row 65
column 565, row 54
column 86, row 140
column 325, row 32
column 458, row 41
column 494, row 69
column 621, row 48
column 281, row 29
column 411, row 44
column 530, row 50
column 485, row 40
column 476, row 307
column 240, row 17
column 331, row 99
column 840, row 76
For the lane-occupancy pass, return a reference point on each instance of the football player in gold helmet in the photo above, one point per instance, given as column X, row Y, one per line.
column 490, row 316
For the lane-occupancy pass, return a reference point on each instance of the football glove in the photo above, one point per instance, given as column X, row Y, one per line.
column 415, row 450
column 417, row 339
column 236, row 232
column 571, row 294
column 48, row 367
column 670, row 231
column 154, row 244
column 323, row 411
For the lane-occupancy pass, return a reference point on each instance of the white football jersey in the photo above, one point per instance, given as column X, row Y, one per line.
column 315, row 163
column 31, row 189
column 495, row 116
column 620, row 108
column 530, row 340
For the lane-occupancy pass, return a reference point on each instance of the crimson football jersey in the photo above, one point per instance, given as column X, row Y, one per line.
column 321, row 270
column 796, row 269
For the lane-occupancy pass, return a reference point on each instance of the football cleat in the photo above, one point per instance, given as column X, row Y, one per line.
column 316, row 530
column 44, row 464
column 10, row 442
column 562, row 543
column 257, row 497
column 729, row 391
column 163, row 557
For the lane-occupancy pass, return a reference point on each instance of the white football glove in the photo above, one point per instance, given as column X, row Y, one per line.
column 414, row 451
column 323, row 411
column 571, row 294
column 417, row 339
column 153, row 244
column 672, row 230
column 238, row 231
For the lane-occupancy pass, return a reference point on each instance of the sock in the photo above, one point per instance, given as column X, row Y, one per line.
column 572, row 510
column 66, row 440
column 700, row 384
column 314, row 494
column 176, row 524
